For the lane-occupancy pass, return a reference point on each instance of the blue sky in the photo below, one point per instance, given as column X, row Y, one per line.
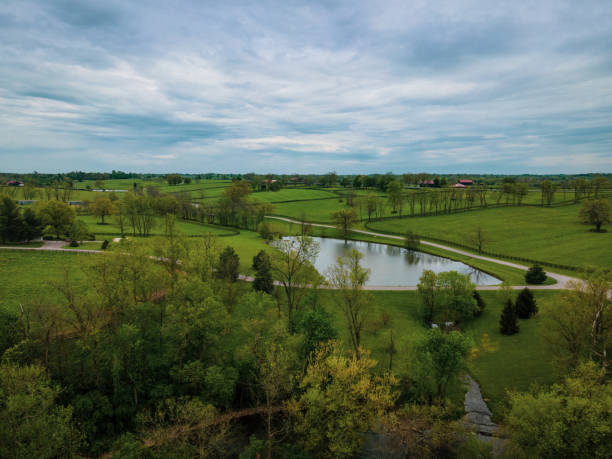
column 306, row 87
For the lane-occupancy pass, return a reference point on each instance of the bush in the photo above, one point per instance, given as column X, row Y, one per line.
column 535, row 275
column 74, row 243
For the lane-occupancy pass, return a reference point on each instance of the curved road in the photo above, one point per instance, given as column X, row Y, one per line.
column 562, row 280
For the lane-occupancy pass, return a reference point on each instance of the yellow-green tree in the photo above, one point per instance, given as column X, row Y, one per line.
column 102, row 207
column 57, row 216
column 569, row 420
column 341, row 400
column 348, row 277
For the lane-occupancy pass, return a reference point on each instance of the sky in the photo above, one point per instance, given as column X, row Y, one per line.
column 283, row 86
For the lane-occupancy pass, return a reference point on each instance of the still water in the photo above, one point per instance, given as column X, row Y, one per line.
column 393, row 266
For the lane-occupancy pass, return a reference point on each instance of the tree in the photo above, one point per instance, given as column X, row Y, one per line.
column 203, row 256
column 340, row 400
column 535, row 275
column 11, row 222
column 102, row 207
column 440, row 359
column 571, row 419
column 228, row 265
column 508, row 324
column 457, row 296
column 525, row 304
column 394, row 190
column 580, row 324
column 57, row 216
column 598, row 183
column 78, row 232
column 411, row 241
column 171, row 249
column 480, row 304
column 548, row 191
column 32, row 226
column 292, row 267
column 32, row 424
column 174, row 179
column 595, row 212
column 316, row 326
column 428, row 290
column 348, row 277
column 263, row 278
column 478, row 237
column 345, row 219
column 448, row 296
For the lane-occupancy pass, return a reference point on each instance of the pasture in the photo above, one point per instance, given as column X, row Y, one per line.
column 551, row 234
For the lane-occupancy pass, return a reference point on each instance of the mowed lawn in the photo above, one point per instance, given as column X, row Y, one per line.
column 187, row 228
column 291, row 194
column 549, row 234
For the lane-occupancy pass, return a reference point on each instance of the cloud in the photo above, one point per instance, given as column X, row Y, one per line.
column 306, row 86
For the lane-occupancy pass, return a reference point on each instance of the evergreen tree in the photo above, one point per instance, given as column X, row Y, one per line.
column 525, row 304
column 228, row 265
column 11, row 223
column 535, row 275
column 480, row 304
column 263, row 277
column 508, row 324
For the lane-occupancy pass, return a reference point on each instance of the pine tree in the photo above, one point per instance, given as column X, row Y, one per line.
column 508, row 324
column 480, row 304
column 525, row 304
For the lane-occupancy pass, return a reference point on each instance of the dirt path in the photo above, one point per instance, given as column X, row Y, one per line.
column 561, row 279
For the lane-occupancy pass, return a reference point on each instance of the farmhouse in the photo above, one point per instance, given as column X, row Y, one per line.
column 466, row 182
column 14, row 183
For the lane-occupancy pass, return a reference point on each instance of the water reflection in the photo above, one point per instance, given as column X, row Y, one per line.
column 390, row 265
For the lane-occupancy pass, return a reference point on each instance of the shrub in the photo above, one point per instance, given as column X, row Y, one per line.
column 535, row 275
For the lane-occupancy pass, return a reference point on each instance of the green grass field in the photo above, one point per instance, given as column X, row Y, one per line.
column 291, row 194
column 26, row 275
column 187, row 228
column 553, row 235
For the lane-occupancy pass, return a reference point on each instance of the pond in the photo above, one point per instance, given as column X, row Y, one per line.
column 393, row 266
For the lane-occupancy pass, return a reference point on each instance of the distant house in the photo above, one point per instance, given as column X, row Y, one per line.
column 428, row 183
column 14, row 183
column 459, row 185
column 466, row 182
